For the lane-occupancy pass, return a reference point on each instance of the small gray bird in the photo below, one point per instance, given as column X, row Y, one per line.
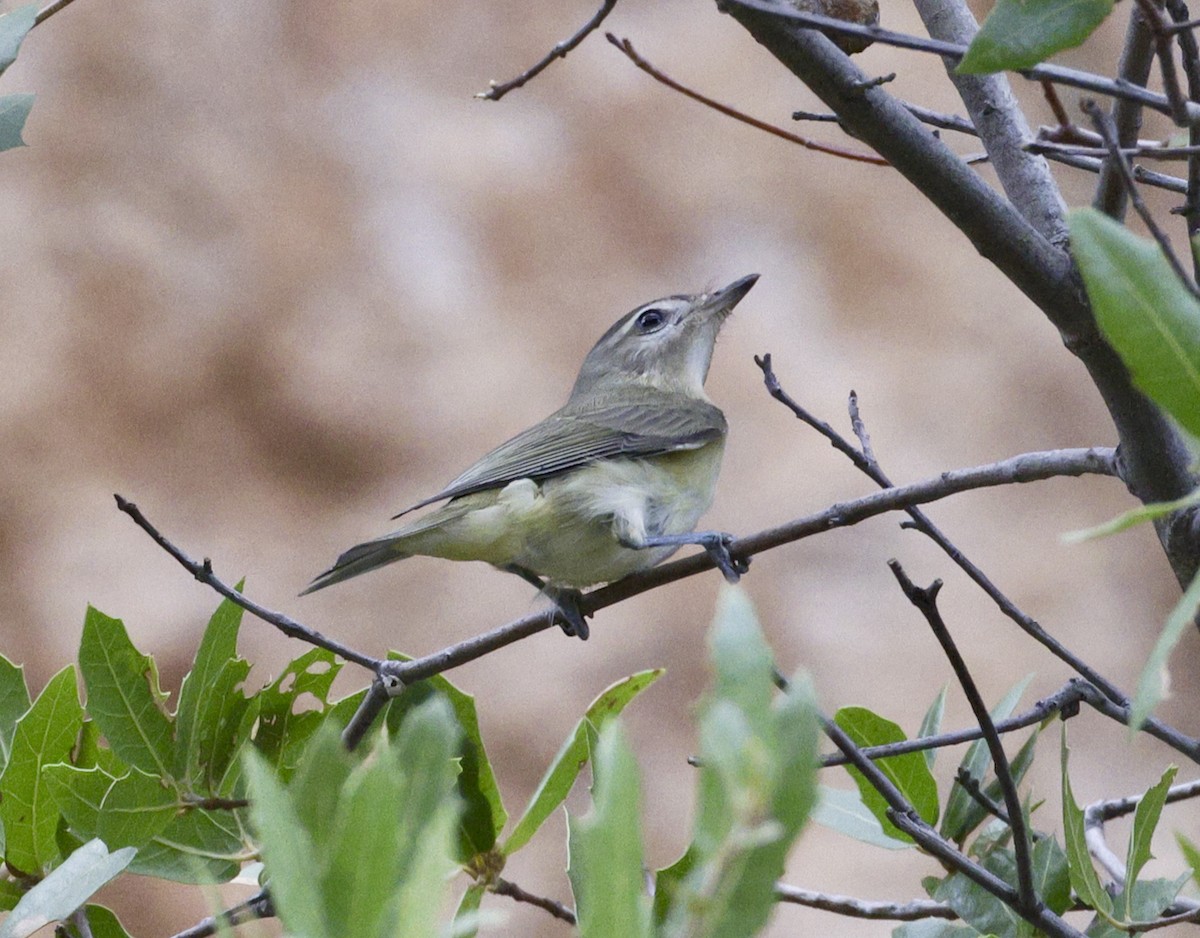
column 611, row 483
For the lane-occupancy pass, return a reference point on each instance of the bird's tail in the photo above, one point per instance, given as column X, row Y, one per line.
column 359, row 559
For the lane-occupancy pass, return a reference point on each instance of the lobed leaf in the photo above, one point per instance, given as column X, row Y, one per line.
column 123, row 695
column 44, row 735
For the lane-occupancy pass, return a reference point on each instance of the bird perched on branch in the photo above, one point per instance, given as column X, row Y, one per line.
column 613, row 482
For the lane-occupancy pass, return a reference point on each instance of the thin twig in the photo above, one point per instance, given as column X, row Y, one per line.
column 1118, row 807
column 975, row 792
column 923, row 114
column 256, row 907
column 627, row 48
column 925, row 600
column 1163, row 47
column 496, row 91
column 1190, row 51
column 1148, row 177
column 1104, row 126
column 1065, row 702
column 204, row 573
column 1056, row 106
column 1145, row 152
column 1117, row 702
column 503, row 887
column 863, row 908
column 1097, row 84
column 79, row 921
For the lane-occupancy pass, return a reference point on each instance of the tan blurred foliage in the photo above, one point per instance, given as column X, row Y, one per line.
column 271, row 272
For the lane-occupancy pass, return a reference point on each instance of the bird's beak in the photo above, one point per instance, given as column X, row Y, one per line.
column 722, row 302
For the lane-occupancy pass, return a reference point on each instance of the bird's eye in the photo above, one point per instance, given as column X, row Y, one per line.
column 650, row 320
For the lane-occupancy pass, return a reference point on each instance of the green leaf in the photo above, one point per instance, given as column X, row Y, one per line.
column 211, row 678
column 1191, row 853
column 931, row 725
column 483, row 815
column 104, row 923
column 1145, row 820
column 1144, row 311
column 198, row 846
column 14, row 111
column 466, row 918
column 123, row 694
column 978, row 907
column 842, row 810
column 908, row 772
column 668, row 882
column 1152, row 685
column 14, row 701
column 224, row 721
column 1021, row 33
column 14, row 26
column 136, row 808
column 757, row 785
column 962, row 814
column 286, row 719
column 1151, row 897
column 573, row 755
column 45, row 735
column 65, row 888
column 376, row 850
column 1128, row 519
column 1051, row 874
column 287, row 850
column 606, row 848
column 934, row 928
column 1084, row 880
column 79, row 793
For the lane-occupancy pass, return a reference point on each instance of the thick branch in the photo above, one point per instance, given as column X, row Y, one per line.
column 1001, row 124
column 1154, row 460
column 862, row 908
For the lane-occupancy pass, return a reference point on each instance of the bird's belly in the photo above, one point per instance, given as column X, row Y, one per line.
column 567, row 523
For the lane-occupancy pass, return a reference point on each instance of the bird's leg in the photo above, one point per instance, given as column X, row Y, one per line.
column 715, row 543
column 565, row 600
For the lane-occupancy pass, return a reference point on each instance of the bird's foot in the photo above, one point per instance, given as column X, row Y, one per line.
column 572, row 618
column 716, row 544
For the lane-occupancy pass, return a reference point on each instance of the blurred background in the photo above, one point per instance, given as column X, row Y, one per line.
column 273, row 273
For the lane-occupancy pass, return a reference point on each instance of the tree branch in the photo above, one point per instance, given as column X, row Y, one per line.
column 1001, row 124
column 496, row 91
column 256, row 907
column 925, row 600
column 561, row 912
column 1155, row 462
column 862, row 908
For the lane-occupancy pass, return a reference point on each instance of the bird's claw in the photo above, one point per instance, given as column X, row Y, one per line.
column 718, row 549
column 570, row 615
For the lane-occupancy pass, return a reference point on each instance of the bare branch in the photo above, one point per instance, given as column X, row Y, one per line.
column 925, row 600
column 1116, row 704
column 1155, row 461
column 627, row 47
column 1001, row 123
column 1137, row 56
column 204, row 573
column 496, row 91
column 503, row 887
column 1097, row 84
column 862, row 908
column 256, row 907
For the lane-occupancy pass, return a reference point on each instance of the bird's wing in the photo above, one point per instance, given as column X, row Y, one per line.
column 647, row 425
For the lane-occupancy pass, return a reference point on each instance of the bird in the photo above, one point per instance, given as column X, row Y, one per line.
column 613, row 482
